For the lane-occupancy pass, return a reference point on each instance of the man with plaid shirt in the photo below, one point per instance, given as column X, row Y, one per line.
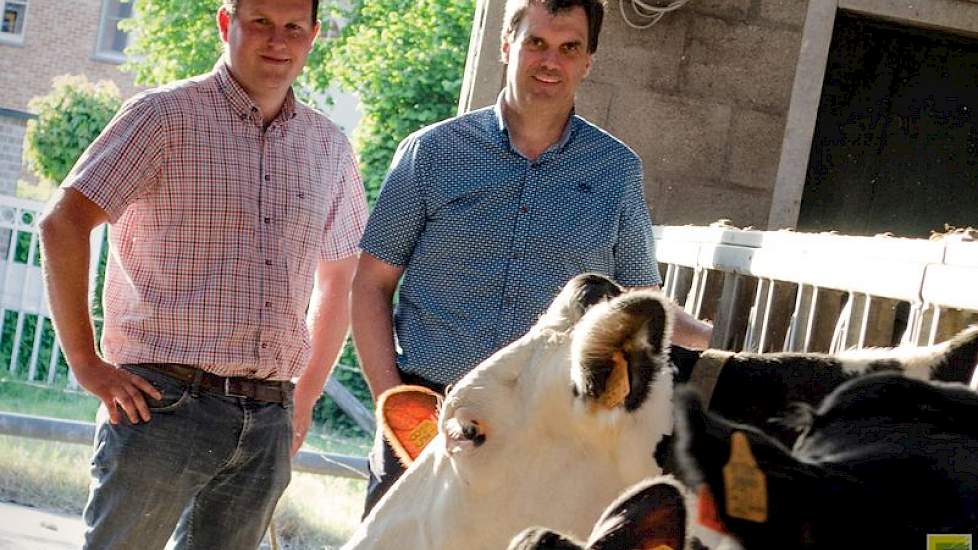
column 234, row 214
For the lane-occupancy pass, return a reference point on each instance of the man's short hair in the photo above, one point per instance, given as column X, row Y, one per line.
column 231, row 6
column 594, row 9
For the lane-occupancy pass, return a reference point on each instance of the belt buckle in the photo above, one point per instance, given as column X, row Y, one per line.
column 227, row 390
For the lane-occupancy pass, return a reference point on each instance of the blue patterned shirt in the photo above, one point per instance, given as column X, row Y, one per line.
column 488, row 238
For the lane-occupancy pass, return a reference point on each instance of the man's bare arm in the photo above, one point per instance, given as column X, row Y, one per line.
column 688, row 331
column 328, row 321
column 373, row 330
column 65, row 230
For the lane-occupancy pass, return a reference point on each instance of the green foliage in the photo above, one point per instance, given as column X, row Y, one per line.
column 405, row 60
column 174, row 39
column 68, row 119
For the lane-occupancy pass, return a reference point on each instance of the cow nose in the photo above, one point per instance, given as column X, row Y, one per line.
column 472, row 433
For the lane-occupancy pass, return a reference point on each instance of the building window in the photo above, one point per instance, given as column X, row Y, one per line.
column 12, row 26
column 112, row 40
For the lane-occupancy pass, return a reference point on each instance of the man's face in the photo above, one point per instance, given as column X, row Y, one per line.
column 547, row 55
column 268, row 42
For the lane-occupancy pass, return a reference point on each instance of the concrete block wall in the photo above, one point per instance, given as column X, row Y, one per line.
column 702, row 96
column 59, row 38
column 11, row 148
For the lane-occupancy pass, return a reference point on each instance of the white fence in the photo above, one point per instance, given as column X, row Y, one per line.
column 780, row 290
column 22, row 297
column 765, row 290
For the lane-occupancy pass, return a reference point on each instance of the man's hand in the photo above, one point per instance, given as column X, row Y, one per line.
column 116, row 388
column 301, row 418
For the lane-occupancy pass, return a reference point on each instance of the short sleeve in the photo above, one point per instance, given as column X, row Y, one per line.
column 348, row 210
column 125, row 161
column 398, row 217
column 635, row 261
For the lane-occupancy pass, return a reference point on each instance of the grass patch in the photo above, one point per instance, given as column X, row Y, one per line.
column 37, row 400
column 43, row 474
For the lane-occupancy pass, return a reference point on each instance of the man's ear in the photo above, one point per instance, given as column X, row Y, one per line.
column 223, row 23
column 315, row 35
column 590, row 63
column 504, row 51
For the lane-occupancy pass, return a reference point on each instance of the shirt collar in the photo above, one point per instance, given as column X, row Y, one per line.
column 500, row 123
column 241, row 102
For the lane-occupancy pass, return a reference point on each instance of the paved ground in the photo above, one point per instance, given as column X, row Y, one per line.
column 23, row 528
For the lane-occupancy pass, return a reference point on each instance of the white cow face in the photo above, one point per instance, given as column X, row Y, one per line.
column 532, row 437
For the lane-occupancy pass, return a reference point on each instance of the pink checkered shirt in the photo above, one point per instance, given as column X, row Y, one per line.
column 217, row 226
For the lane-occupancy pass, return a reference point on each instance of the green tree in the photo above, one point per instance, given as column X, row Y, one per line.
column 68, row 119
column 405, row 60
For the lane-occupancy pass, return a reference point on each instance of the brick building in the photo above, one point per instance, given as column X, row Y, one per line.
column 815, row 114
column 42, row 39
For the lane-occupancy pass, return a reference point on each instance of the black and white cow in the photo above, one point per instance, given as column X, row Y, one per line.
column 883, row 462
column 552, row 428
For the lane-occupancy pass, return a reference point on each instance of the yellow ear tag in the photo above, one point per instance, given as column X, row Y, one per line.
column 663, row 547
column 745, row 483
column 617, row 387
column 423, row 433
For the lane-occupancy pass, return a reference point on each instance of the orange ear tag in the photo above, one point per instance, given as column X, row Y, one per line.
column 744, row 482
column 409, row 417
column 663, row 547
column 617, row 387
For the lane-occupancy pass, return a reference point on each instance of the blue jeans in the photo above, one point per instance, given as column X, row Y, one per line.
column 206, row 471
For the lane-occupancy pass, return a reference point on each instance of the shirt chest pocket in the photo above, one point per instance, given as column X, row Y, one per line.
column 306, row 209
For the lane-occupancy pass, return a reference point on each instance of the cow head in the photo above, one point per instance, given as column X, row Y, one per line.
column 547, row 431
column 882, row 462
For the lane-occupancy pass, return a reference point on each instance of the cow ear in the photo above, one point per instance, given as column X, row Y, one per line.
column 577, row 296
column 537, row 538
column 652, row 514
column 620, row 347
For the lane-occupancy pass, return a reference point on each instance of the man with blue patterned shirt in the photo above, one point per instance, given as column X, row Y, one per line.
column 487, row 215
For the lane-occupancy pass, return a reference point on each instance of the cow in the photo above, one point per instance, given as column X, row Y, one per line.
column 551, row 428
column 883, row 462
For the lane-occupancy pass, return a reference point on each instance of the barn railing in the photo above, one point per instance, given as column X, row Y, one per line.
column 781, row 290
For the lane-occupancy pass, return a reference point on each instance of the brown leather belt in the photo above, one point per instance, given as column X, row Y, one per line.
column 269, row 391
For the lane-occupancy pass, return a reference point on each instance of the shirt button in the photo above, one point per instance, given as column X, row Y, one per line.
column 243, row 116
column 507, row 300
column 268, row 220
column 302, row 195
column 268, row 177
column 524, row 209
column 268, row 304
column 264, row 345
column 268, row 262
column 516, row 255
